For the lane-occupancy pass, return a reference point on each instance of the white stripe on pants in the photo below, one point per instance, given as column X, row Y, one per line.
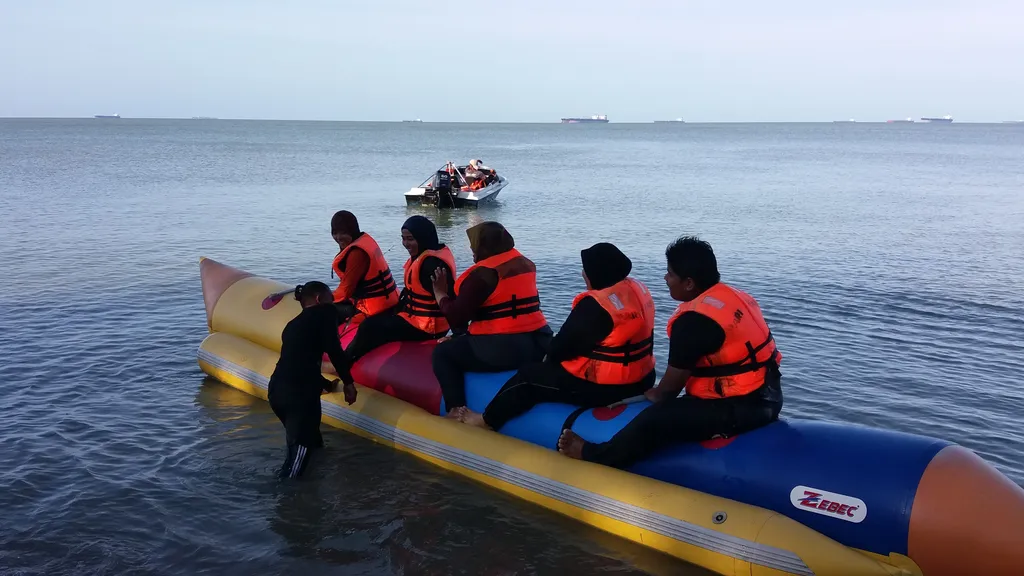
column 300, row 455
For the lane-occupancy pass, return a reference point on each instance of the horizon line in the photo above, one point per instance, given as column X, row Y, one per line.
column 419, row 121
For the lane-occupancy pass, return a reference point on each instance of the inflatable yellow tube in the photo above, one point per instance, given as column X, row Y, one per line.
column 724, row 536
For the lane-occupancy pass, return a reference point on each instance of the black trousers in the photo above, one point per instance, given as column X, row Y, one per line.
column 484, row 353
column 687, row 419
column 380, row 329
column 301, row 419
column 549, row 382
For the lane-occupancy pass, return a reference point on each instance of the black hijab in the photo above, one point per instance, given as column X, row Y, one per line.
column 605, row 265
column 345, row 222
column 424, row 231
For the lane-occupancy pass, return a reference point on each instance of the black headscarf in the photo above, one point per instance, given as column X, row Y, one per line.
column 489, row 239
column 605, row 265
column 424, row 231
column 345, row 222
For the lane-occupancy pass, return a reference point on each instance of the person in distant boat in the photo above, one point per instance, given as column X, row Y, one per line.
column 478, row 165
column 296, row 384
column 475, row 178
column 367, row 287
column 720, row 350
column 485, row 174
column 496, row 306
column 603, row 353
column 472, row 173
column 418, row 316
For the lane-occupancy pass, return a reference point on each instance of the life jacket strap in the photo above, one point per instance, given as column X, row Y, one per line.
column 512, row 308
column 381, row 285
column 748, row 364
column 624, row 354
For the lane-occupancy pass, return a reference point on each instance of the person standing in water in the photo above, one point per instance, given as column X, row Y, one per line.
column 296, row 384
column 720, row 350
column 418, row 316
column 603, row 353
column 367, row 287
column 498, row 307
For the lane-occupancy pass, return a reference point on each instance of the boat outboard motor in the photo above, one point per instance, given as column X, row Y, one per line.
column 443, row 189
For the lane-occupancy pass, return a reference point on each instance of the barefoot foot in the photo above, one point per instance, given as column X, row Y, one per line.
column 456, row 413
column 475, row 419
column 570, row 444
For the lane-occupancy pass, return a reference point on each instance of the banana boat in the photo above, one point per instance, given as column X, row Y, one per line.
column 795, row 497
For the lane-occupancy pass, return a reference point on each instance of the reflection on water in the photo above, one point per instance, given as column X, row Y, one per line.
column 459, row 219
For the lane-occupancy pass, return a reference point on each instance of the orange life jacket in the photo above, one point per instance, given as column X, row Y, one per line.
column 740, row 365
column 375, row 291
column 419, row 308
column 514, row 306
column 627, row 354
column 477, row 184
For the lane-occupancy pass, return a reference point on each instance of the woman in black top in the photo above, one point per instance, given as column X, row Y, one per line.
column 588, row 324
column 418, row 235
column 295, row 386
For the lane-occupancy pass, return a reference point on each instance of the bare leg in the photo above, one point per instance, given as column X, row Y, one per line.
column 570, row 444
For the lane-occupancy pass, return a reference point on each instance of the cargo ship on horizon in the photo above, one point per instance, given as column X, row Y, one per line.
column 107, row 116
column 944, row 120
column 598, row 119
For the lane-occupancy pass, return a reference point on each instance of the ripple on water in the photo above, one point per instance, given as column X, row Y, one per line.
column 118, row 458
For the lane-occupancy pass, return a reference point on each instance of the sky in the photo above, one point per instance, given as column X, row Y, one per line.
column 514, row 61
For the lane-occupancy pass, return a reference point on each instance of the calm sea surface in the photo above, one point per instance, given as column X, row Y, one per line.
column 889, row 260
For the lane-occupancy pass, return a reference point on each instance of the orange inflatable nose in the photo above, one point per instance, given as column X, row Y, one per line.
column 967, row 518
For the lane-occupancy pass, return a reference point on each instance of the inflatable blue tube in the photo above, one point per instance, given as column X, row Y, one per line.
column 789, row 466
column 541, row 425
column 822, row 475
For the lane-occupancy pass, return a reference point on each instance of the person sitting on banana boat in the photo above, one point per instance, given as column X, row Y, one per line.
column 604, row 352
column 496, row 306
column 417, row 317
column 366, row 287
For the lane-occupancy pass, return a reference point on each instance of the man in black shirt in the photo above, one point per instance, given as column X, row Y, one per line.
column 720, row 350
column 696, row 336
column 297, row 381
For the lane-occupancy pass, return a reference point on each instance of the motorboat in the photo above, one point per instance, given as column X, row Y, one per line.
column 449, row 187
